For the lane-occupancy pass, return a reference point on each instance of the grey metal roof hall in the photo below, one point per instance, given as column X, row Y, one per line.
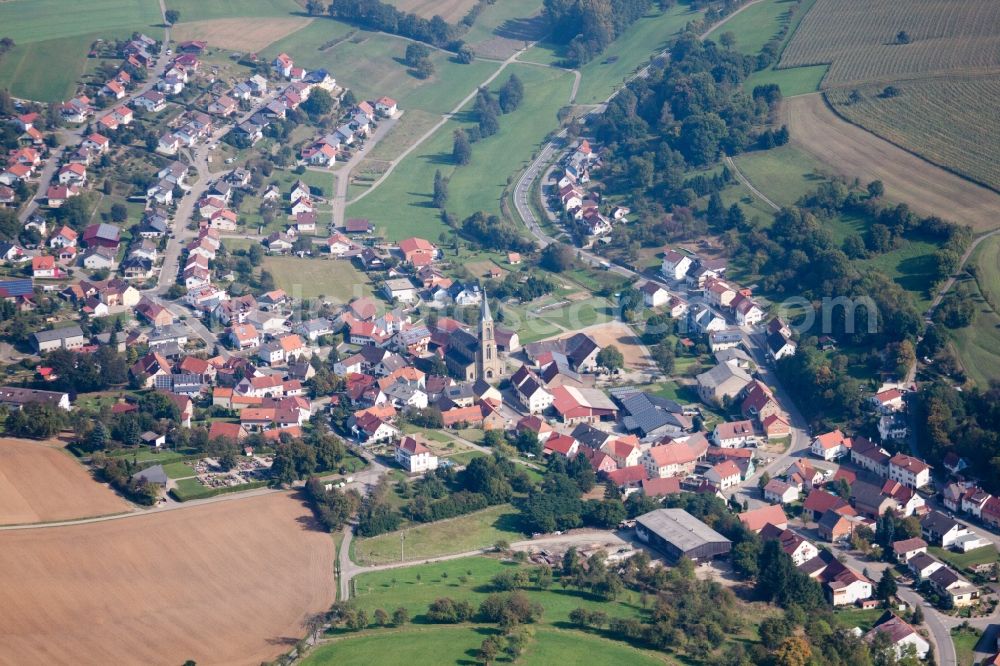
column 683, row 534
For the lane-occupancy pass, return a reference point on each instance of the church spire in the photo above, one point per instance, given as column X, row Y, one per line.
column 486, row 316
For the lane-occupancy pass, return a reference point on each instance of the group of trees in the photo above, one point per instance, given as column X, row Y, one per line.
column 678, row 119
column 966, row 423
column 418, row 59
column 332, row 508
column 495, row 233
column 119, row 473
column 484, row 482
column 587, row 28
column 555, row 504
column 377, row 15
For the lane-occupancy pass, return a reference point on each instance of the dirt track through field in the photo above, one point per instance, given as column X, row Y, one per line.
column 41, row 483
column 855, row 152
column 223, row 583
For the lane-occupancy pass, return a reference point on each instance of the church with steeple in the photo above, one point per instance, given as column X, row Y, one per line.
column 481, row 356
column 489, row 365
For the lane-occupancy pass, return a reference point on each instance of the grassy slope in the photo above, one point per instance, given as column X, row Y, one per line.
column 476, row 530
column 199, row 10
column 370, row 64
column 965, row 641
column 40, row 20
column 459, row 645
column 984, row 555
column 785, row 174
column 378, row 590
column 402, row 202
column 631, row 50
column 496, row 15
column 54, row 37
column 755, row 25
column 793, row 81
column 978, row 345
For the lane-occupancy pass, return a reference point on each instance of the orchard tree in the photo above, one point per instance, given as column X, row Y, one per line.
column 611, row 358
column 462, row 149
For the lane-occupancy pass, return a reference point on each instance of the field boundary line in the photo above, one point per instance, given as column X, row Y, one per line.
column 747, row 184
column 950, row 170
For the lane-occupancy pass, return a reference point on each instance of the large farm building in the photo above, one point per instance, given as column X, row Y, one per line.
column 677, row 533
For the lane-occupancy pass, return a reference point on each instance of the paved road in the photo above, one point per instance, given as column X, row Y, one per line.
column 342, row 176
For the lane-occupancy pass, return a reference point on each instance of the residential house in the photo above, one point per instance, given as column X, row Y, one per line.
column 735, row 434
column 757, row 519
column 780, row 492
column 911, row 472
column 722, row 383
column 831, row 446
column 724, row 475
column 940, row 529
column 834, row 527
column 907, row 549
column 675, row 265
column 903, row 638
column 676, row 458
column 413, row 456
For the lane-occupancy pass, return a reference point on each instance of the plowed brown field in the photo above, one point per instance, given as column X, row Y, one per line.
column 224, row 583
column 41, row 483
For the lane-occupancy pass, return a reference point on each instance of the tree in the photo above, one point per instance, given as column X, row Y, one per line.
column 727, row 40
column 557, row 257
column 793, row 651
column 381, row 617
column 440, row 197
column 461, row 151
column 465, row 54
column 415, row 53
column 320, row 102
column 119, row 213
column 400, row 616
column 488, row 650
column 98, row 438
column 611, row 358
column 764, row 479
column 902, row 37
column 876, row 189
column 663, row 354
column 887, row 586
column 773, row 631
column 315, row 8
column 172, row 16
column 511, row 94
column 424, row 69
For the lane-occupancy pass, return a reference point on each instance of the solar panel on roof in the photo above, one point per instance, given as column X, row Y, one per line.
column 13, row 288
